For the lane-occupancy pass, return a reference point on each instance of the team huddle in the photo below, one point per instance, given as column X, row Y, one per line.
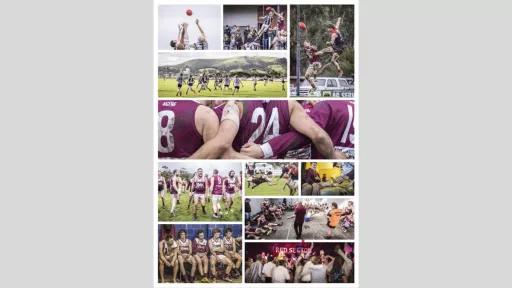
column 256, row 129
column 216, row 258
column 201, row 189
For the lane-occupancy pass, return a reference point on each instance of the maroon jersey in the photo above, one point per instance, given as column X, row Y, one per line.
column 173, row 181
column 217, row 185
column 200, row 246
column 230, row 184
column 216, row 244
column 312, row 55
column 177, row 133
column 183, row 247
column 261, row 121
column 199, row 185
column 337, row 119
column 229, row 243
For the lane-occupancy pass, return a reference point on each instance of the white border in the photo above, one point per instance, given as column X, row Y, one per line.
column 156, row 161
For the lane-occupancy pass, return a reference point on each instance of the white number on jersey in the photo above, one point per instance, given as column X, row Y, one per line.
column 166, row 132
column 349, row 124
column 270, row 129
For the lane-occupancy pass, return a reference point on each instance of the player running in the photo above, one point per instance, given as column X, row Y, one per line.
column 216, row 190
column 204, row 83
column 237, row 82
column 283, row 81
column 190, row 84
column 229, row 188
column 227, row 83
column 200, row 189
column 185, row 256
column 255, row 82
column 229, row 243
column 216, row 246
column 179, row 79
column 200, row 251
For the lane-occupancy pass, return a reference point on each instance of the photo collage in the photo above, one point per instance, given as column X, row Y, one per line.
column 255, row 143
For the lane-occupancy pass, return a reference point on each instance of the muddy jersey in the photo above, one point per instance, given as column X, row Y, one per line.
column 312, row 55
column 177, row 133
column 183, row 247
column 161, row 182
column 200, row 246
column 199, row 184
column 228, row 243
column 261, row 121
column 216, row 245
column 217, row 185
column 230, row 184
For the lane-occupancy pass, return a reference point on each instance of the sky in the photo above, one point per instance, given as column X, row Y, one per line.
column 169, row 16
column 207, row 166
column 177, row 58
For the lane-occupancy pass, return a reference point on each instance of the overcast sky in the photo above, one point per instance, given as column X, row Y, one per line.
column 207, row 166
column 177, row 58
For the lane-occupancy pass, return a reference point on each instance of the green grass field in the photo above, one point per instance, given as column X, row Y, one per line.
column 184, row 214
column 265, row 189
column 169, row 87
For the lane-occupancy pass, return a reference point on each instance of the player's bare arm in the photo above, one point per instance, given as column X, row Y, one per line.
column 301, row 122
column 207, row 124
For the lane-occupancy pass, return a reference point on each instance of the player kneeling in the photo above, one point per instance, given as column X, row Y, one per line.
column 216, row 246
column 200, row 250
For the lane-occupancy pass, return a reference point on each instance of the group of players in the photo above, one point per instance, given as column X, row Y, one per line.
column 302, row 267
column 289, row 171
column 334, row 48
column 203, row 255
column 271, row 35
column 256, row 129
column 201, row 189
column 220, row 82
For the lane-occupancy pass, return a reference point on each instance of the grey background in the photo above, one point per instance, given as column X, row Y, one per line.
column 76, row 128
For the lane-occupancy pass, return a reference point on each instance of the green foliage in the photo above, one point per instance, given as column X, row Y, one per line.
column 316, row 18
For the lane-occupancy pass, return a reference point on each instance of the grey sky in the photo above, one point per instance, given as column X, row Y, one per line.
column 177, row 58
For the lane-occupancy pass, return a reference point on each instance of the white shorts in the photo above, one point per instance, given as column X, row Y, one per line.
column 230, row 195
column 198, row 196
column 216, row 198
column 220, row 256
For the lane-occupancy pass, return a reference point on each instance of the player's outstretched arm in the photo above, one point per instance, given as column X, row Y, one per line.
column 200, row 29
column 301, row 122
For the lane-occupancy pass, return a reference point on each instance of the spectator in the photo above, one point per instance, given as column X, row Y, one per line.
column 267, row 270
column 280, row 274
column 300, row 213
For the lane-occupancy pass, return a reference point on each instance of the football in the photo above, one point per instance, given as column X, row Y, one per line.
column 302, row 26
column 189, row 12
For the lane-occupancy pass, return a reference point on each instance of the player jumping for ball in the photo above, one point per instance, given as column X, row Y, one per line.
column 237, row 82
column 335, row 45
column 180, row 43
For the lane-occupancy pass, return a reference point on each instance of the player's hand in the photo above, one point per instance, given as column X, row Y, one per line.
column 252, row 150
column 340, row 155
column 197, row 21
